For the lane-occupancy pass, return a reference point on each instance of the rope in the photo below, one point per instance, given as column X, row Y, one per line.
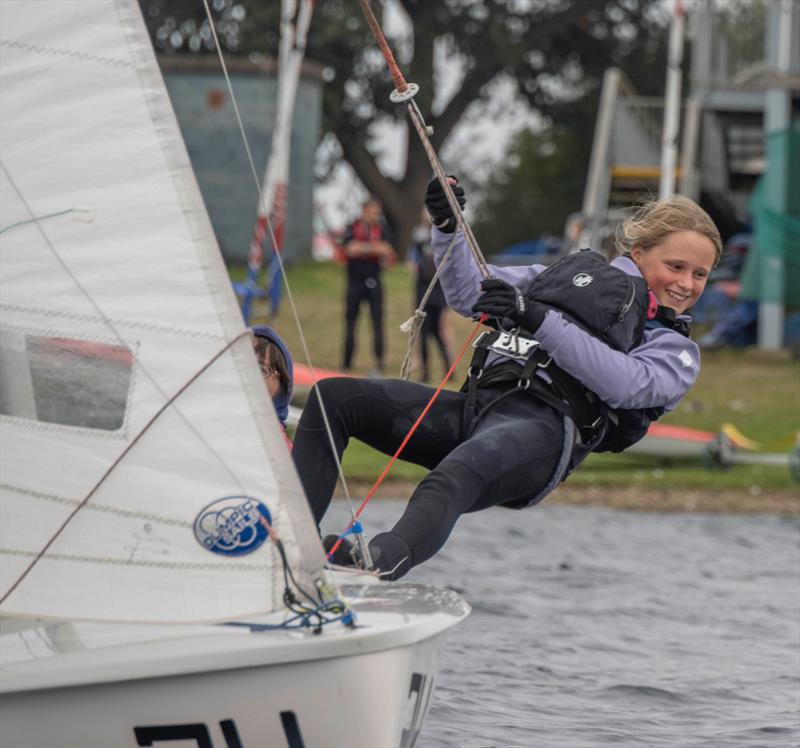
column 116, row 462
column 289, row 294
column 408, row 436
column 414, row 323
column 36, row 219
column 406, row 94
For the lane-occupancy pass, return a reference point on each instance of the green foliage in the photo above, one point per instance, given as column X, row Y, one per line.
column 743, row 23
column 534, row 190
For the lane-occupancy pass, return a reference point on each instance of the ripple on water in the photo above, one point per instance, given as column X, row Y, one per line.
column 665, row 630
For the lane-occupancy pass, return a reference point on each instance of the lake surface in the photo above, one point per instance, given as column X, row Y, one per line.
column 594, row 627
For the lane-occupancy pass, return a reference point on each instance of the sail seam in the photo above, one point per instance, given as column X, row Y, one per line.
column 128, row 562
column 129, row 513
column 64, row 53
column 151, row 326
column 120, row 434
column 170, row 402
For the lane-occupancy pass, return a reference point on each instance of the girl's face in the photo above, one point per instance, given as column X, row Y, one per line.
column 677, row 269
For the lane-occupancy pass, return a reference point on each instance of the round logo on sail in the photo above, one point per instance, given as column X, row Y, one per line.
column 233, row 526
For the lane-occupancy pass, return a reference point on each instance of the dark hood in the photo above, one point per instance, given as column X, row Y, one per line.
column 281, row 400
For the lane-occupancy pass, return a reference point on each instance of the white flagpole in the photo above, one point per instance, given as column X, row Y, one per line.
column 276, row 176
column 672, row 103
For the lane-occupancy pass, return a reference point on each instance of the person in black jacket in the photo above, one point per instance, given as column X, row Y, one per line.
column 367, row 250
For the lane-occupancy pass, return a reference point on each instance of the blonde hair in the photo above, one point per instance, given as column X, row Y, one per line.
column 654, row 221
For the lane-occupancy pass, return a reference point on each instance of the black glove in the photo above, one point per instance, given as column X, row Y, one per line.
column 506, row 304
column 439, row 209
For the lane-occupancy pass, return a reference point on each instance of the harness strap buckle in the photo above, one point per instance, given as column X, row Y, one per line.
column 540, row 365
column 471, row 372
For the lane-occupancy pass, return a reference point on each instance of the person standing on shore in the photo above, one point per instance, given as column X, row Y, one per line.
column 367, row 250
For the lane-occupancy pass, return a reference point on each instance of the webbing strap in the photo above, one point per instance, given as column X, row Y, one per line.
column 564, row 393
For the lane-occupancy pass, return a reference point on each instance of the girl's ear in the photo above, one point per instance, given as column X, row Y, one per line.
column 636, row 254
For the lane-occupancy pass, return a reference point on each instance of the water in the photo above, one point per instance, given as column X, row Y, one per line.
column 595, row 627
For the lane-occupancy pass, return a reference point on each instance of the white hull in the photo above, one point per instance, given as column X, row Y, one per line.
column 108, row 685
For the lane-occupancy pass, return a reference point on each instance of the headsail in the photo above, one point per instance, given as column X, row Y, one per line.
column 115, row 301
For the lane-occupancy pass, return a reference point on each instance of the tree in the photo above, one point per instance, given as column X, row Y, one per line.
column 539, row 183
column 553, row 50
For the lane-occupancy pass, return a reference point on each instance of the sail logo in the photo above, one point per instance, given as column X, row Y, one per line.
column 233, row 526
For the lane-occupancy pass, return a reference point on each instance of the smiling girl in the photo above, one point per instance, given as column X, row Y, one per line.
column 584, row 356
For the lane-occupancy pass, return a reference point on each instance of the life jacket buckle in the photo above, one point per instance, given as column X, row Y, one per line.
column 545, row 364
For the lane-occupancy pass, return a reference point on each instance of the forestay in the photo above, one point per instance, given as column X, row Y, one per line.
column 114, row 299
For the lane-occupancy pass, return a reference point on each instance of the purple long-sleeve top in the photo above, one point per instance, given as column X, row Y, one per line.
column 656, row 373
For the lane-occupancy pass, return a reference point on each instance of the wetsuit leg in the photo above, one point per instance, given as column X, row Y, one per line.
column 375, row 299
column 355, row 291
column 435, row 317
column 423, row 346
column 379, row 412
column 509, row 457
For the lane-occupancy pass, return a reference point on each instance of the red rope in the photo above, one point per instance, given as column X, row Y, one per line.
column 408, row 436
column 397, row 77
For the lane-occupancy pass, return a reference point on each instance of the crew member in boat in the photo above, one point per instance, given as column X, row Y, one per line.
column 275, row 363
column 561, row 374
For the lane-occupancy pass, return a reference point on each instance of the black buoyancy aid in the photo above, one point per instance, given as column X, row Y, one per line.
column 599, row 298
column 609, row 304
column 627, row 426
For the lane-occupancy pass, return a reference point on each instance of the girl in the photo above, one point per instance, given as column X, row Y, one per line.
column 523, row 423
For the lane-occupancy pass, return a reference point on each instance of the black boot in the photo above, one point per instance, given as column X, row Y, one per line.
column 391, row 555
column 345, row 554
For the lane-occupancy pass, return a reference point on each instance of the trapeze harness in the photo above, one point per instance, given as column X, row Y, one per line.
column 604, row 301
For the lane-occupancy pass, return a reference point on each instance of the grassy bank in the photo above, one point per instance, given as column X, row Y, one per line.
column 758, row 392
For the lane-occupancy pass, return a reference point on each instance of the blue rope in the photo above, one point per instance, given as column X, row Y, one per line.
column 312, row 618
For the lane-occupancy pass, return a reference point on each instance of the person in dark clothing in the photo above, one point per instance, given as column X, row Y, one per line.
column 423, row 268
column 367, row 250
column 275, row 363
column 515, row 436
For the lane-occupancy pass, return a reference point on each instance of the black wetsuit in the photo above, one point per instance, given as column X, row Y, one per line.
column 511, row 453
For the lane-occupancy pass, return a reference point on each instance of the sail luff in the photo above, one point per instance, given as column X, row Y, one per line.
column 87, row 126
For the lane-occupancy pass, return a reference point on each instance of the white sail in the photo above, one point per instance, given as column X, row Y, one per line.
column 126, row 374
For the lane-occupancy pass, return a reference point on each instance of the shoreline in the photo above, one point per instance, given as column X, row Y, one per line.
column 633, row 498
